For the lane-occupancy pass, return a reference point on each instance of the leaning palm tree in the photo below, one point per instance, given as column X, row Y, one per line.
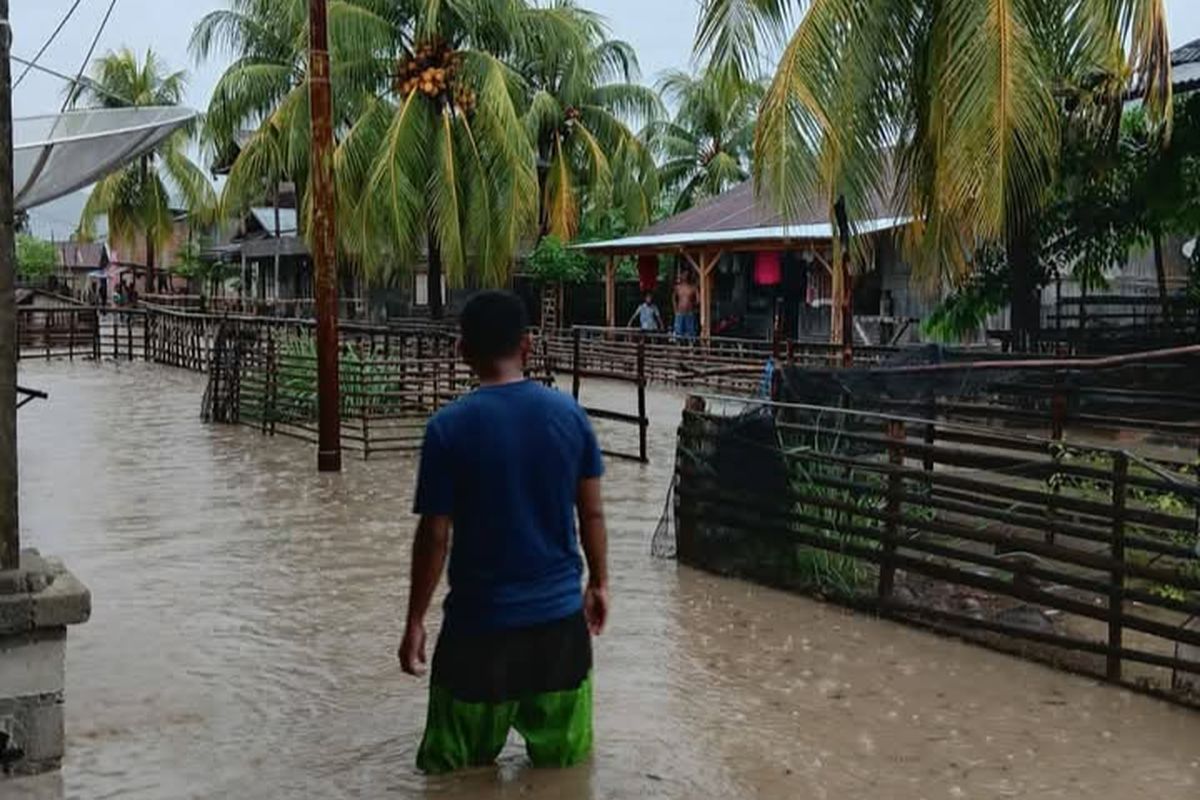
column 582, row 110
column 706, row 148
column 956, row 98
column 136, row 200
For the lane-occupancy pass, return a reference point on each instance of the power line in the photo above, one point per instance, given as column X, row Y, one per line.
column 88, row 57
column 47, row 43
column 80, row 81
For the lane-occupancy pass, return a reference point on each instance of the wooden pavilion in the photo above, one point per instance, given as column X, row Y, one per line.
column 729, row 235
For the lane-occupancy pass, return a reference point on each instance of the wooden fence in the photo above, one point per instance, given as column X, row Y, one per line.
column 1087, row 557
column 722, row 363
column 581, row 369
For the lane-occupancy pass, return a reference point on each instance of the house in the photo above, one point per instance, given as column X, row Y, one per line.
column 82, row 266
column 760, row 271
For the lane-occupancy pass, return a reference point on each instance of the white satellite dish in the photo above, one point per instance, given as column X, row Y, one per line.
column 56, row 154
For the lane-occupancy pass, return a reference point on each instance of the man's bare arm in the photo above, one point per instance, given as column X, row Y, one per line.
column 430, row 546
column 594, row 538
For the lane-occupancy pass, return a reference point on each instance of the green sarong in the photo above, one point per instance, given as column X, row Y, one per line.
column 535, row 680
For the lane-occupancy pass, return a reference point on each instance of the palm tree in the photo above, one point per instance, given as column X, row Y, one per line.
column 956, row 98
column 442, row 157
column 581, row 113
column 136, row 199
column 431, row 158
column 706, row 148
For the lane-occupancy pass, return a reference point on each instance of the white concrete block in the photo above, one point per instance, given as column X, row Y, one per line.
column 31, row 665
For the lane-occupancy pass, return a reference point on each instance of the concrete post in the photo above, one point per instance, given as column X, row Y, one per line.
column 9, row 528
column 37, row 603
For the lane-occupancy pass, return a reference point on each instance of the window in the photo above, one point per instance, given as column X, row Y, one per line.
column 421, row 289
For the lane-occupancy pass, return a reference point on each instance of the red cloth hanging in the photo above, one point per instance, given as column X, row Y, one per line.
column 768, row 268
column 647, row 268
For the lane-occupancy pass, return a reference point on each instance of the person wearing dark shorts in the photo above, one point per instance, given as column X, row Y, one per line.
column 511, row 468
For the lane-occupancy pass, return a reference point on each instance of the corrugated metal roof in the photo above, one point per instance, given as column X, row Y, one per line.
column 1188, row 54
column 768, row 233
column 739, row 216
column 266, row 218
column 740, row 209
column 77, row 255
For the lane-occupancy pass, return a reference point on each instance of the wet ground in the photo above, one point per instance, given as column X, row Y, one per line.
column 247, row 612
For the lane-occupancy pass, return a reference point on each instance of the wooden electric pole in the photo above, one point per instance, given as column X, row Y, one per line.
column 10, row 540
column 329, row 416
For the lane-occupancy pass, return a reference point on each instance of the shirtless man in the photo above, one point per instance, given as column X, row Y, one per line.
column 687, row 302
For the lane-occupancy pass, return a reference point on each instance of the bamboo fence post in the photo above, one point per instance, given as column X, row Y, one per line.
column 1116, row 596
column 216, row 413
column 362, row 400
column 575, row 365
column 146, row 335
column 116, row 334
column 95, row 335
column 71, row 335
column 1058, row 418
column 266, row 424
column 895, row 490
column 129, row 334
column 643, row 421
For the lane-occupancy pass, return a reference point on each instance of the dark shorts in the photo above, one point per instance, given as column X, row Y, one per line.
column 536, row 680
column 687, row 325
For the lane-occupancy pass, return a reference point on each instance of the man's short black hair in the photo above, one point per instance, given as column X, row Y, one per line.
column 492, row 323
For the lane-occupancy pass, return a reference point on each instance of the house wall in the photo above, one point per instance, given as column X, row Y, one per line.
column 135, row 253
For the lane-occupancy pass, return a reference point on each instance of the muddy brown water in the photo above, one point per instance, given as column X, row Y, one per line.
column 247, row 612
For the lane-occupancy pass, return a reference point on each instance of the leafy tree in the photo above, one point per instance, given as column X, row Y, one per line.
column 953, row 107
column 36, row 258
column 707, row 147
column 136, row 199
column 553, row 262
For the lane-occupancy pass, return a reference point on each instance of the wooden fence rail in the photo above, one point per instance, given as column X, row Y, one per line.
column 1093, row 564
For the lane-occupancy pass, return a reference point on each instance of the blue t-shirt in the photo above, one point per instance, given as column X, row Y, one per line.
column 505, row 463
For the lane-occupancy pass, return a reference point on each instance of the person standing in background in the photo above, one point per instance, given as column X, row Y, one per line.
column 647, row 316
column 687, row 303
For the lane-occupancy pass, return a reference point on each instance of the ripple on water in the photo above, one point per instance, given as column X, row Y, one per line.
column 247, row 611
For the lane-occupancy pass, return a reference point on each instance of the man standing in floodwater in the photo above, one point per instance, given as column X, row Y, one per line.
column 687, row 300
column 509, row 467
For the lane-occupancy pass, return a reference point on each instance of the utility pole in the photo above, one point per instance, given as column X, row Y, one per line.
column 329, row 416
column 843, row 300
column 10, row 540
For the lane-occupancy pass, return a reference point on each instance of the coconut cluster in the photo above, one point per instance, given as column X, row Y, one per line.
column 435, row 70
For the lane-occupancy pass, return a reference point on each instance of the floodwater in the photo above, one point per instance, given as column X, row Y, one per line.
column 247, row 612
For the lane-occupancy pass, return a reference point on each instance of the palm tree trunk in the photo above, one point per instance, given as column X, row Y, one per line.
column 434, row 279
column 1160, row 271
column 1025, row 302
column 275, row 202
column 150, row 288
column 144, row 167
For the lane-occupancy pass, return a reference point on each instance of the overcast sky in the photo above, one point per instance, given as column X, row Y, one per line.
column 660, row 30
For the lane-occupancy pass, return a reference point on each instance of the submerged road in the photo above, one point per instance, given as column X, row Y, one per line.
column 247, row 612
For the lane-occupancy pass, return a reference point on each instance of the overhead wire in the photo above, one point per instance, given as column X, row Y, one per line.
column 87, row 58
column 49, row 41
column 70, row 80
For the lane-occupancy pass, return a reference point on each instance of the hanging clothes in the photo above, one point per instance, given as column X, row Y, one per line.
column 768, row 268
column 647, row 267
